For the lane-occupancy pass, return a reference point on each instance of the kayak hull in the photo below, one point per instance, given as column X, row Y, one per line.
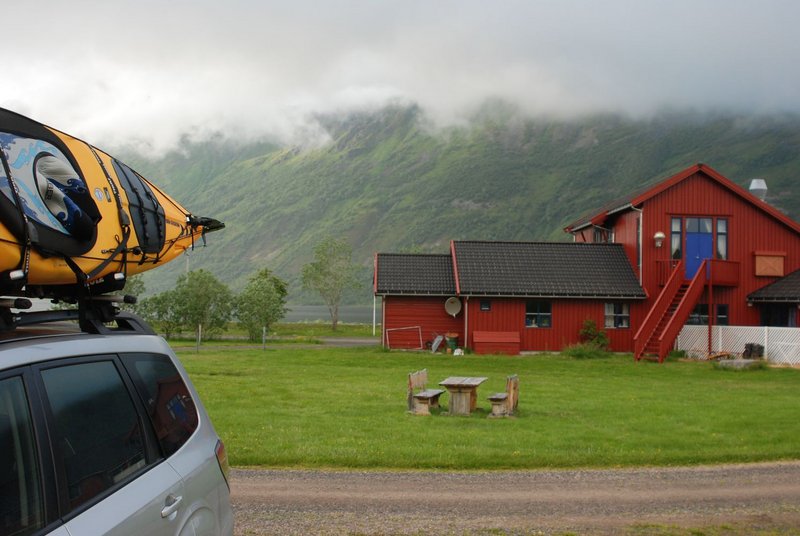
column 71, row 213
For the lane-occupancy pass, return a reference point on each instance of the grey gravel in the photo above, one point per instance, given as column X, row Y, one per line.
column 742, row 499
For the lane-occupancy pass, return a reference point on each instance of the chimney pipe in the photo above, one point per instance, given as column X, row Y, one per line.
column 758, row 187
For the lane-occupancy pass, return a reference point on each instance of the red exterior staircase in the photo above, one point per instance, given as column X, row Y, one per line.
column 669, row 313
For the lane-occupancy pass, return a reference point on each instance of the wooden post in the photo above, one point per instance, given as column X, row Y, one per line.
column 711, row 311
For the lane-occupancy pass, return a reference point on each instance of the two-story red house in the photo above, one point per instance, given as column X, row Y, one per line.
column 697, row 248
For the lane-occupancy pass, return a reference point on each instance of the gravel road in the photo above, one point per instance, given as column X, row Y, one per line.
column 736, row 499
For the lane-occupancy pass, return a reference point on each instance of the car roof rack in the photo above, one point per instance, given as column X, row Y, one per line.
column 96, row 312
column 97, row 315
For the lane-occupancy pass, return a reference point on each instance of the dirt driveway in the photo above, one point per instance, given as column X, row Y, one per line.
column 730, row 499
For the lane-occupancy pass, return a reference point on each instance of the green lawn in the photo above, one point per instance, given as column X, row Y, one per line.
column 282, row 333
column 323, row 329
column 345, row 408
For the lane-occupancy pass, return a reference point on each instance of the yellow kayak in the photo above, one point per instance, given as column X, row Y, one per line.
column 72, row 214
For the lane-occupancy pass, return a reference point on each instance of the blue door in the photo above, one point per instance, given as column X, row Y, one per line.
column 699, row 244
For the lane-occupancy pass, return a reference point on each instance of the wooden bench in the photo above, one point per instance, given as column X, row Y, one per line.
column 505, row 404
column 421, row 399
column 496, row 342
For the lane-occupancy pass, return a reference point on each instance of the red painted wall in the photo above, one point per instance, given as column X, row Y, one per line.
column 568, row 316
column 426, row 312
column 749, row 230
column 625, row 233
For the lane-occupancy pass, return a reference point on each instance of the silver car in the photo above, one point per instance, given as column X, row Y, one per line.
column 101, row 432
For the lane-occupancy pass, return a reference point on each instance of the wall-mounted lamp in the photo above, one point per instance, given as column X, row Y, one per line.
column 659, row 238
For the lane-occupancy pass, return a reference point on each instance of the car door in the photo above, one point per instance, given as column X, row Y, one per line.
column 150, row 505
column 188, row 447
column 22, row 494
column 111, row 478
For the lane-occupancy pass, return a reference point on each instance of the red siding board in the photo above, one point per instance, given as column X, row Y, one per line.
column 568, row 316
column 426, row 312
column 749, row 229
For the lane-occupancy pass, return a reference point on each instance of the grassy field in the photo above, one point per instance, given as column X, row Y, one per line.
column 322, row 329
column 282, row 333
column 345, row 408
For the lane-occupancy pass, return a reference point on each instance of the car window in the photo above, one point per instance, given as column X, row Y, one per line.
column 21, row 505
column 97, row 430
column 166, row 397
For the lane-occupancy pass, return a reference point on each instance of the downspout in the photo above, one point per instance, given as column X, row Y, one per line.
column 383, row 321
column 640, row 248
column 466, row 322
column 374, row 293
column 458, row 290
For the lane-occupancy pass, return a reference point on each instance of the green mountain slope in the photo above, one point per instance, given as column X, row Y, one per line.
column 387, row 181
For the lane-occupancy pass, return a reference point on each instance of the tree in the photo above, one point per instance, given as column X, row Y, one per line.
column 331, row 273
column 134, row 286
column 202, row 300
column 161, row 310
column 261, row 303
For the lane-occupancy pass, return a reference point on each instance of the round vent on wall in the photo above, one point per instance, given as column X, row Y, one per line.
column 453, row 306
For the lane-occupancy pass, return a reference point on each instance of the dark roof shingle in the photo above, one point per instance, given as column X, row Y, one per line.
column 416, row 274
column 545, row 269
column 785, row 289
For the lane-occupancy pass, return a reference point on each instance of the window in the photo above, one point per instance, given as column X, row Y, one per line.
column 21, row 506
column 486, row 305
column 698, row 225
column 618, row 315
column 537, row 314
column 676, row 238
column 699, row 316
column 722, row 239
column 778, row 315
column 722, row 314
column 169, row 404
column 695, row 226
column 97, row 433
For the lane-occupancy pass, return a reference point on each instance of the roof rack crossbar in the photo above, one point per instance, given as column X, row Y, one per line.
column 96, row 315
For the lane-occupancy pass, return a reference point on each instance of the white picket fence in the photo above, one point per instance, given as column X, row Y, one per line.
column 781, row 345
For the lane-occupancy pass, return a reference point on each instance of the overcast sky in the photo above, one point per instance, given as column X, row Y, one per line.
column 147, row 71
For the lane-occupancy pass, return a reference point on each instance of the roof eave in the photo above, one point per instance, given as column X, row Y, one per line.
column 413, row 293
column 555, row 296
column 778, row 299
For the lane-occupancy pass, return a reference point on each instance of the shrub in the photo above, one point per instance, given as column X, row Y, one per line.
column 728, row 365
column 590, row 335
column 585, row 351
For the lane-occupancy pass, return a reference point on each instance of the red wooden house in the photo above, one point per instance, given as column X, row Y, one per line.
column 509, row 296
column 694, row 248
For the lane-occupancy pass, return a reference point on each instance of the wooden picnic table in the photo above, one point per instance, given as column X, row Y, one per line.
column 463, row 393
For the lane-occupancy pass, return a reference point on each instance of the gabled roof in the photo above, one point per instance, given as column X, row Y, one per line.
column 785, row 289
column 414, row 274
column 544, row 269
column 636, row 198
